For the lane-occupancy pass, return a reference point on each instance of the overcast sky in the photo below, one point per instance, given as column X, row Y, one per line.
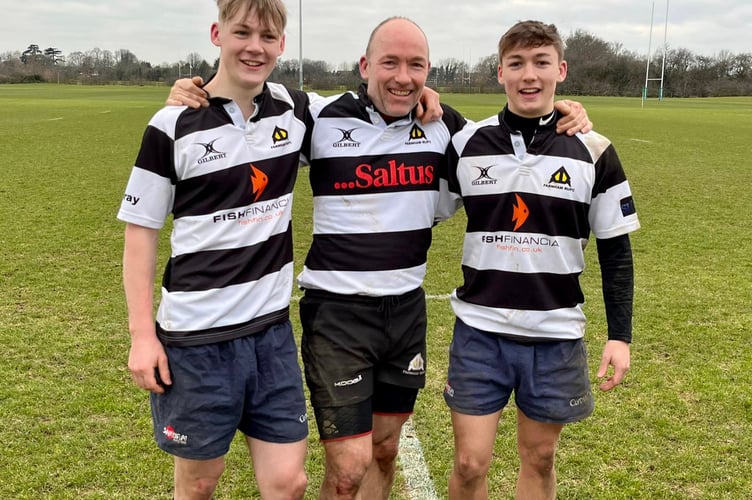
column 161, row 31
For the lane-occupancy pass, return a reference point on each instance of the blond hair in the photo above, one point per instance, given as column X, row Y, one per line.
column 271, row 13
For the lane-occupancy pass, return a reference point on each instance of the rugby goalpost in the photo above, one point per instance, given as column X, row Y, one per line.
column 663, row 62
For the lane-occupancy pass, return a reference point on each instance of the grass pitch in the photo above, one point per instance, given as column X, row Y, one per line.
column 74, row 426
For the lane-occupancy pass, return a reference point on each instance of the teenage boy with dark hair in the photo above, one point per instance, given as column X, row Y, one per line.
column 532, row 199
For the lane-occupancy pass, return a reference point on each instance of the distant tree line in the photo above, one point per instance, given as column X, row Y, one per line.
column 95, row 66
column 596, row 67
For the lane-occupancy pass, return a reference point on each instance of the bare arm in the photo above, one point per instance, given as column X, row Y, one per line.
column 139, row 267
column 575, row 118
column 188, row 92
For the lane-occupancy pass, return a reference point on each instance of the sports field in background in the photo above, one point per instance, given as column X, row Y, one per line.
column 72, row 425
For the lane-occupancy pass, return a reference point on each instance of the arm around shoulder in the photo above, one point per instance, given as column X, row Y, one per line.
column 574, row 119
column 188, row 92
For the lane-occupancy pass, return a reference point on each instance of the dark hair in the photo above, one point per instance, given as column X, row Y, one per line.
column 531, row 34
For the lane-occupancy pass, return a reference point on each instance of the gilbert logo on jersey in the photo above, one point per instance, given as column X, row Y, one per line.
column 394, row 174
column 347, row 140
column 210, row 152
column 484, row 178
column 259, row 181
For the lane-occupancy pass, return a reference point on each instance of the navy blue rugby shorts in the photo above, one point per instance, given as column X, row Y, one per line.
column 252, row 384
column 550, row 379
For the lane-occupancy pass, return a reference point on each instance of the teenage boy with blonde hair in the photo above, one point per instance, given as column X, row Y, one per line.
column 532, row 198
column 221, row 356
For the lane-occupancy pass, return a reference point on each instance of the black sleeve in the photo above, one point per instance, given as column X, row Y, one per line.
column 454, row 122
column 453, row 119
column 617, row 274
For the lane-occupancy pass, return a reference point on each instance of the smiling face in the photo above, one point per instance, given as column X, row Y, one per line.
column 249, row 49
column 529, row 76
column 396, row 66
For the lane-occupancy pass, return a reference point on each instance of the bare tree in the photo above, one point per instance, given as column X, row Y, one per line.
column 10, row 56
column 485, row 73
column 193, row 60
column 124, row 57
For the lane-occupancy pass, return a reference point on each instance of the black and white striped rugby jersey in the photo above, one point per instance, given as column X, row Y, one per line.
column 376, row 196
column 228, row 184
column 530, row 212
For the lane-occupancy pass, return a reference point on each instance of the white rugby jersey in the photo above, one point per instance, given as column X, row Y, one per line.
column 228, row 183
column 530, row 213
column 376, row 189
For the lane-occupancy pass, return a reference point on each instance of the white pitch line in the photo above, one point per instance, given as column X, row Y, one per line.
column 439, row 297
column 414, row 469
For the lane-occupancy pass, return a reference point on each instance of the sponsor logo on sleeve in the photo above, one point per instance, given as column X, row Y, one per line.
column 627, row 206
column 133, row 200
